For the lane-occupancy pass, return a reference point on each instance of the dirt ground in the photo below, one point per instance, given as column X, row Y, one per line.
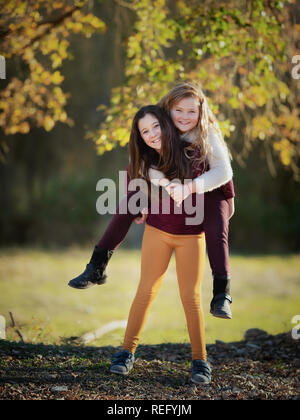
column 260, row 367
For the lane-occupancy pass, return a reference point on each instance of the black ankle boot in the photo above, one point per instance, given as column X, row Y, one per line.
column 95, row 270
column 220, row 304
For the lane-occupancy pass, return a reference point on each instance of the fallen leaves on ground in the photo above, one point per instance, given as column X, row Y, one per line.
column 261, row 366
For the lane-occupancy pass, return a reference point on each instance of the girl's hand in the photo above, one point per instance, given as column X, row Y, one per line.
column 141, row 219
column 178, row 192
column 164, row 182
column 231, row 206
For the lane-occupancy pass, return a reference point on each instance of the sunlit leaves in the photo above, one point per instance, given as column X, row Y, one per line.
column 289, row 126
column 34, row 34
column 148, row 72
column 238, row 51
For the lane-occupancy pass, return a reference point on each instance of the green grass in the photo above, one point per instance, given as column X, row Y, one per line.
column 33, row 286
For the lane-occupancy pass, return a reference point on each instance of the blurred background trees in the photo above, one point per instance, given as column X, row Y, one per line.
column 76, row 73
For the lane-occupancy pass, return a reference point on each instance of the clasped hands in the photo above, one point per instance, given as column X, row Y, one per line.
column 179, row 192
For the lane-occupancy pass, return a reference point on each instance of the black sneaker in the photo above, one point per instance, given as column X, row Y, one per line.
column 201, row 372
column 122, row 362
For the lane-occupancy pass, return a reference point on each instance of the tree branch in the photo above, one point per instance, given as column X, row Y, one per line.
column 52, row 24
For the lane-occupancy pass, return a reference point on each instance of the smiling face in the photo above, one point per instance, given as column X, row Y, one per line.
column 185, row 113
column 150, row 131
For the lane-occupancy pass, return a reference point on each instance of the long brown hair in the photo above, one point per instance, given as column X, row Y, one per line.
column 170, row 160
column 199, row 134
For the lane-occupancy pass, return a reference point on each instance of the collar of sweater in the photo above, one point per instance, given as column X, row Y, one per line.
column 190, row 137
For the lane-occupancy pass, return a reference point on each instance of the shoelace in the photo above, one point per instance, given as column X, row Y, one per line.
column 122, row 358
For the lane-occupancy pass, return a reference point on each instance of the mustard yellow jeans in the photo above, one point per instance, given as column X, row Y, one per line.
column 157, row 248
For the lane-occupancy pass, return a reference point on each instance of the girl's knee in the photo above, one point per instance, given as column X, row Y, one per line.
column 145, row 297
column 190, row 300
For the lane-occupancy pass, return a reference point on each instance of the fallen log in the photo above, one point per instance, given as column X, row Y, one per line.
column 94, row 335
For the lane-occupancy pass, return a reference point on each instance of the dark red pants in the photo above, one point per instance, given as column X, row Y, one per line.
column 216, row 227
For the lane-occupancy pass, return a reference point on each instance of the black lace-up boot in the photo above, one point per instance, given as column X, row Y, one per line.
column 95, row 270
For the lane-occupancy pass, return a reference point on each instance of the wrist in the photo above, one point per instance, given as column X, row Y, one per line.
column 189, row 187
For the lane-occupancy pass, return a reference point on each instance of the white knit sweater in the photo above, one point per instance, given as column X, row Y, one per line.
column 219, row 173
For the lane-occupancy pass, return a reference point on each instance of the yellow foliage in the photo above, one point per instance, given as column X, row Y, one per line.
column 32, row 31
column 56, row 60
column 24, row 127
column 262, row 127
column 63, row 117
column 285, row 149
column 57, row 78
column 48, row 123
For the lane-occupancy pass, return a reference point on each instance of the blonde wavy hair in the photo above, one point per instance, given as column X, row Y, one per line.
column 198, row 136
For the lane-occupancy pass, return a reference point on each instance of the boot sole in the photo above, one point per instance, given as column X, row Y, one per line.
column 86, row 287
column 80, row 288
column 201, row 382
column 117, row 372
column 99, row 283
column 225, row 316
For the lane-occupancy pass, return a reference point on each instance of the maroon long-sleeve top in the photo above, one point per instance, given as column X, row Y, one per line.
column 175, row 223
